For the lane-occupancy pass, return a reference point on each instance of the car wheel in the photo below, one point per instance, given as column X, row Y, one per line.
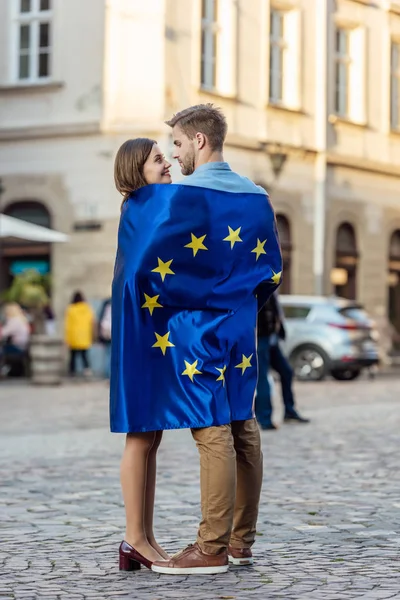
column 310, row 363
column 345, row 374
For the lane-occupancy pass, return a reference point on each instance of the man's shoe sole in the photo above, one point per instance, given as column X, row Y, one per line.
column 190, row 570
column 241, row 562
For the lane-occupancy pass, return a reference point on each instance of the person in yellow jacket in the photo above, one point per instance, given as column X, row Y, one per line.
column 79, row 327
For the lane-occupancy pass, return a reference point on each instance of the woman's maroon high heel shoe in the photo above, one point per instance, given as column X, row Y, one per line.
column 130, row 560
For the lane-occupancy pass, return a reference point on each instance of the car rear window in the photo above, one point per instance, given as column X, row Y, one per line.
column 356, row 313
column 296, row 312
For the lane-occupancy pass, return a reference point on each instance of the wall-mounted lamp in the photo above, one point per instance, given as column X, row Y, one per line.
column 339, row 276
column 277, row 158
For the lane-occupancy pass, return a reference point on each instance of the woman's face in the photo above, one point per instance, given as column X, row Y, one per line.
column 156, row 168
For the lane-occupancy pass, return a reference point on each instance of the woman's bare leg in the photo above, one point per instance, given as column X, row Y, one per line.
column 133, row 482
column 150, row 495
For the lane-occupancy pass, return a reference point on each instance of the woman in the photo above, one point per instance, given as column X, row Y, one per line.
column 79, row 323
column 15, row 329
column 14, row 333
column 138, row 163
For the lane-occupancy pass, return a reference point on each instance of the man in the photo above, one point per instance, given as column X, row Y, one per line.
column 270, row 329
column 230, row 454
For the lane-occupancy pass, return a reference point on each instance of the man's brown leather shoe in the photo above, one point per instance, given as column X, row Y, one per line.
column 192, row 561
column 240, row 556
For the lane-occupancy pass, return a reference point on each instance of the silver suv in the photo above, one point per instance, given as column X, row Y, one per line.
column 328, row 335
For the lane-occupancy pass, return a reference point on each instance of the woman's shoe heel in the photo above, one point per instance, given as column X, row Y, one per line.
column 130, row 559
column 127, row 564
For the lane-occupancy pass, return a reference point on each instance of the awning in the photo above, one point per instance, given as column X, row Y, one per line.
column 12, row 229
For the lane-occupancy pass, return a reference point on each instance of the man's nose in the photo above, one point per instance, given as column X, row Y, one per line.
column 175, row 154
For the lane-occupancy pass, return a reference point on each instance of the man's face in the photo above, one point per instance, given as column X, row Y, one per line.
column 184, row 151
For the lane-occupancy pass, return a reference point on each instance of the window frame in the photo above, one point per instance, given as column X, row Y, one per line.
column 209, row 45
column 33, row 19
column 343, row 61
column 395, row 86
column 277, row 46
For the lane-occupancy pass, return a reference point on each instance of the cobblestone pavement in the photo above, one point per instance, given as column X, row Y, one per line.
column 329, row 525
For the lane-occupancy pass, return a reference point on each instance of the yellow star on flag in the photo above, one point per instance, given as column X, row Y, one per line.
column 197, row 244
column 222, row 374
column 191, row 370
column 276, row 277
column 163, row 342
column 163, row 268
column 245, row 364
column 259, row 249
column 233, row 236
column 151, row 303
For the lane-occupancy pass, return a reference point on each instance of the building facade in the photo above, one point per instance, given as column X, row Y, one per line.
column 311, row 91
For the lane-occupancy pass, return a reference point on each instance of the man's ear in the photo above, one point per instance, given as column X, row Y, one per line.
column 201, row 140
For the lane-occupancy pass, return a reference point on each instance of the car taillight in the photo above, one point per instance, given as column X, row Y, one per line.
column 348, row 326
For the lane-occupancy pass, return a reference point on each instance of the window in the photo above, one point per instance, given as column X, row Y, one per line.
column 394, row 282
column 209, row 33
column 355, row 313
column 346, row 261
column 295, row 312
column 350, row 73
column 395, row 86
column 285, row 240
column 276, row 55
column 31, row 211
column 342, row 71
column 284, row 58
column 33, row 38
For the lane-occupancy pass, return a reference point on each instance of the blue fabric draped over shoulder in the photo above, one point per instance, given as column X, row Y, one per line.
column 189, row 265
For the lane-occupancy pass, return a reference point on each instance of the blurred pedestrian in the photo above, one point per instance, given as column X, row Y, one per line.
column 104, row 335
column 79, row 327
column 50, row 320
column 387, row 336
column 14, row 335
column 270, row 329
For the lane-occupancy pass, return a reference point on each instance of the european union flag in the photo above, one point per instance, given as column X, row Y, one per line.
column 189, row 266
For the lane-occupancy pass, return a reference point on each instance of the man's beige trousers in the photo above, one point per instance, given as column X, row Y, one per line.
column 230, row 481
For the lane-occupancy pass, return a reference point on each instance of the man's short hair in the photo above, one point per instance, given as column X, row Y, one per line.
column 202, row 118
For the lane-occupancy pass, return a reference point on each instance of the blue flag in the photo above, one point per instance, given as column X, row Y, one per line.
column 192, row 267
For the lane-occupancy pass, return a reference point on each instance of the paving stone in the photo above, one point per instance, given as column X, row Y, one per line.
column 329, row 526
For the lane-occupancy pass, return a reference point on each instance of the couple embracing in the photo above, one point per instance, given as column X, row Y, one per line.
column 196, row 260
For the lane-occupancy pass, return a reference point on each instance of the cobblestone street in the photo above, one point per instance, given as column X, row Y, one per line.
column 329, row 524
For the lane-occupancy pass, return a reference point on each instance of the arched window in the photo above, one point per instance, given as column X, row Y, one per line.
column 286, row 247
column 394, row 249
column 346, row 240
column 21, row 255
column 31, row 211
column 344, row 275
column 394, row 280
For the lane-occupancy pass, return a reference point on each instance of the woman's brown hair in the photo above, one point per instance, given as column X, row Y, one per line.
column 129, row 163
